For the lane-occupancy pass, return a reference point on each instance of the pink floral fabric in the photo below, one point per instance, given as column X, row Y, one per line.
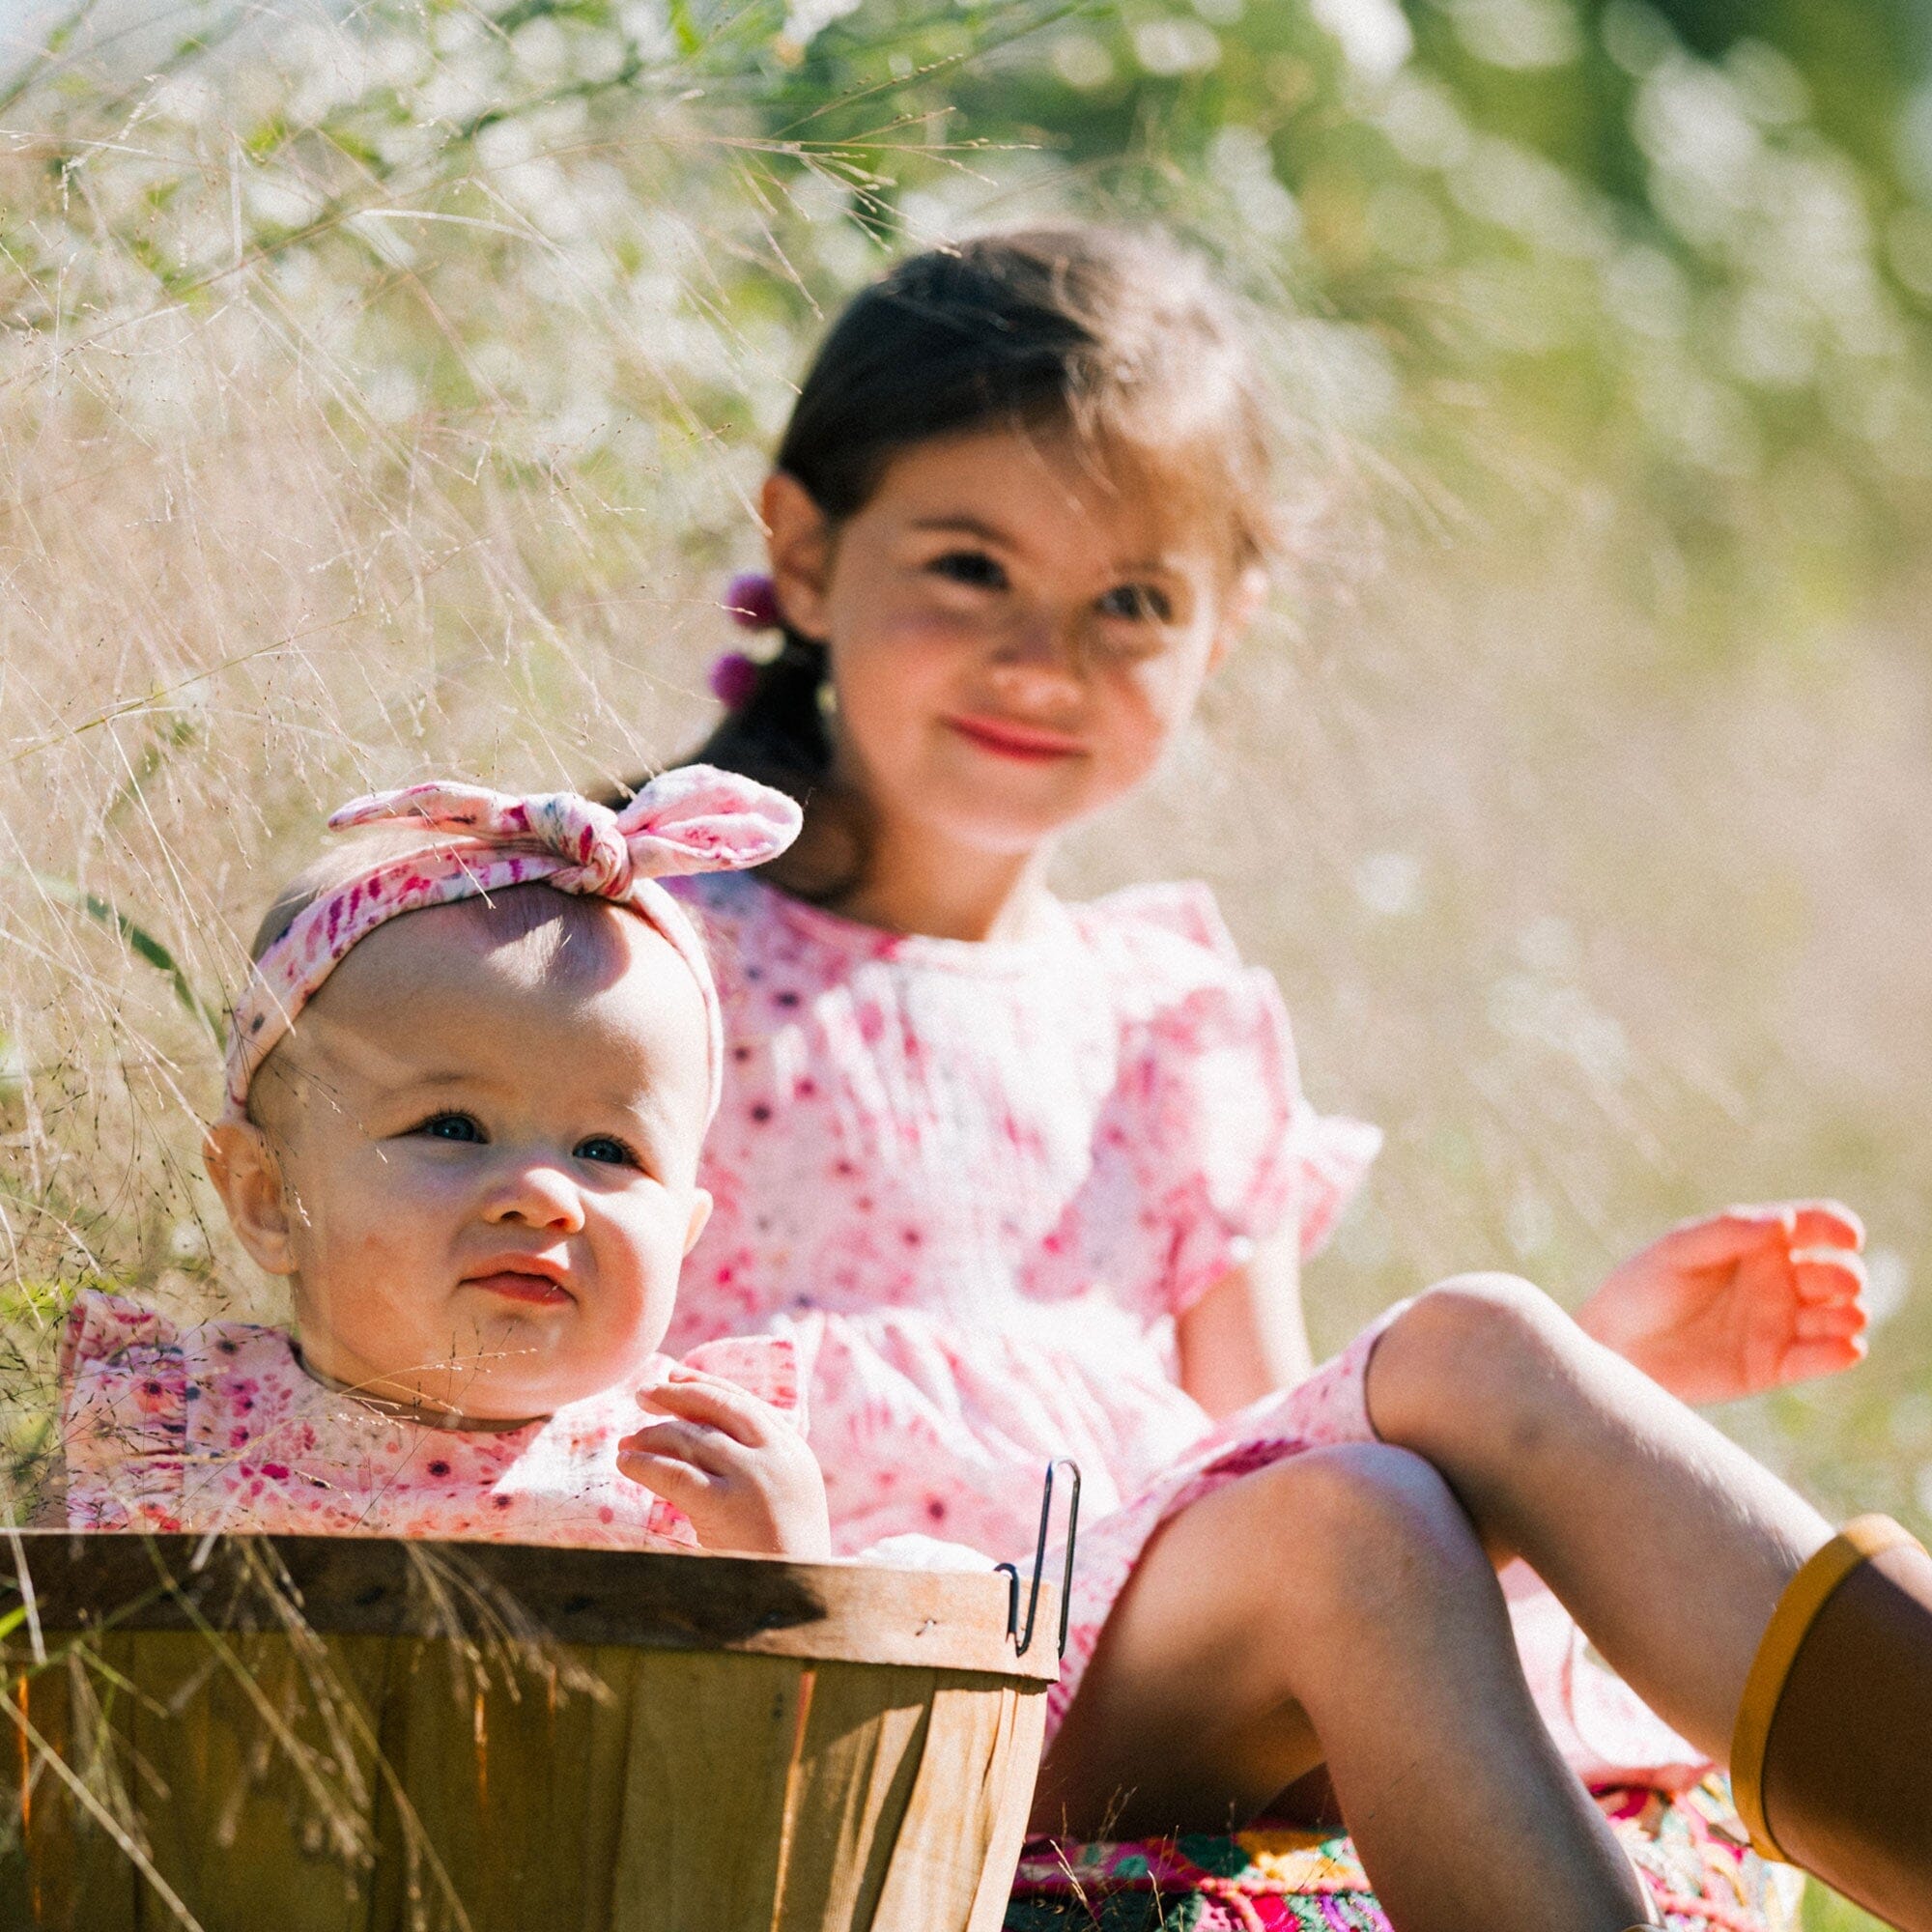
column 695, row 819
column 976, row 1183
column 218, row 1427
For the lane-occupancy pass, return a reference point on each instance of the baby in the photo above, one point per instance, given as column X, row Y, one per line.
column 467, row 1088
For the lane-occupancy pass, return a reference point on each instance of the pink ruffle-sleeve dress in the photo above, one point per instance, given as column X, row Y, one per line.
column 218, row 1427
column 976, row 1183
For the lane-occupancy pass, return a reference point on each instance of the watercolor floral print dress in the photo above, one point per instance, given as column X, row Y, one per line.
column 218, row 1426
column 976, row 1184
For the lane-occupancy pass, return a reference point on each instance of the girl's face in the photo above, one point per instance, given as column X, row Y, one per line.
column 1015, row 639
column 477, row 1155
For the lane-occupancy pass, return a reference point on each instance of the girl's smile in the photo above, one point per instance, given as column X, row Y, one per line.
column 1007, row 738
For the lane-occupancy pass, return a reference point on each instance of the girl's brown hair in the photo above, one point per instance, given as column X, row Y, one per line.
column 1117, row 338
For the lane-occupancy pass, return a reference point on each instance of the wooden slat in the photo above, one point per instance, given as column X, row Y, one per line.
column 1011, row 1776
column 262, row 1760
column 39, row 1866
column 69, row 1870
column 703, row 1791
column 441, row 1733
column 864, row 1738
column 959, row 1805
column 380, row 1586
column 594, row 1739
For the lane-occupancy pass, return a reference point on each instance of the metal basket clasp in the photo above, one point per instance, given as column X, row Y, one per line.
column 1022, row 1639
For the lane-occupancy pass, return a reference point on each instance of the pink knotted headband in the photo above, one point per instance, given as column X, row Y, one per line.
column 695, row 819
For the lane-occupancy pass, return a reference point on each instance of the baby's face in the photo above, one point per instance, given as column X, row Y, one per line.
column 483, row 1135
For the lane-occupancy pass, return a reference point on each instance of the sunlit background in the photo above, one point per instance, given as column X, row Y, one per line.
column 383, row 388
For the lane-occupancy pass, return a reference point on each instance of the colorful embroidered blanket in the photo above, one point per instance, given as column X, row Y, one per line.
column 1691, row 1850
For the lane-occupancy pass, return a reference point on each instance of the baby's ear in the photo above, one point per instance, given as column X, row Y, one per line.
column 700, row 1213
column 248, row 1178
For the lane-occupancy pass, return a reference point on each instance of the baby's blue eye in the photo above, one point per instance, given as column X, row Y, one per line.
column 605, row 1147
column 451, row 1127
column 1144, row 603
column 970, row 567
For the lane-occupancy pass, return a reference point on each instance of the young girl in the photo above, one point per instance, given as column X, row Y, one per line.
column 466, row 1086
column 1009, row 1172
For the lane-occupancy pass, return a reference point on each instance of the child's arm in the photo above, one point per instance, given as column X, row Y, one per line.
column 1739, row 1303
column 1245, row 1337
column 1720, row 1308
column 733, row 1464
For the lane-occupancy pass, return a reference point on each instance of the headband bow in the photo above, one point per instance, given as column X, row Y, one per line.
column 695, row 819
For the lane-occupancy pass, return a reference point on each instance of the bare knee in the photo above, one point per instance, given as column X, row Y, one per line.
column 1479, row 1313
column 1488, row 1351
column 1364, row 1532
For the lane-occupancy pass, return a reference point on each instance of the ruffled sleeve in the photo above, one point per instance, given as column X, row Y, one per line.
column 1229, row 1146
column 123, row 1415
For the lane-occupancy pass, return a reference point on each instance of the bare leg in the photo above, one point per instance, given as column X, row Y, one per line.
column 1339, row 1605
column 1666, row 1542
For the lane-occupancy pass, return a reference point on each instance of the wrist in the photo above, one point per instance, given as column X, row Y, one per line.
column 806, row 1537
column 767, row 1527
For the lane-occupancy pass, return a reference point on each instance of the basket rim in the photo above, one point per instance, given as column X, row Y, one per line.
column 81, row 1582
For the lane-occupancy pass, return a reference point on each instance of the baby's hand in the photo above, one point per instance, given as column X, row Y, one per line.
column 1739, row 1303
column 733, row 1464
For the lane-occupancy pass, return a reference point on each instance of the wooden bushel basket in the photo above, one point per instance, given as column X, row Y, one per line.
column 286, row 1734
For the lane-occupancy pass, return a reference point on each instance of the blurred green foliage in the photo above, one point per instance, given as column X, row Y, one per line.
column 1826, row 1912
column 1681, row 250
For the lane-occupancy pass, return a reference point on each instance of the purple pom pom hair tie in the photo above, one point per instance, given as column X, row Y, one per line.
column 733, row 678
column 753, row 600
